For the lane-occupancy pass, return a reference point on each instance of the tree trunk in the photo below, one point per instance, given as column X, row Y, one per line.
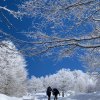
column 62, row 93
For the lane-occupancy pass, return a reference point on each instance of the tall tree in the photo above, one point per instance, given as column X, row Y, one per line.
column 13, row 74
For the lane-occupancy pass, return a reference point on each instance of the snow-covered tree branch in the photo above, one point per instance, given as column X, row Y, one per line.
column 56, row 25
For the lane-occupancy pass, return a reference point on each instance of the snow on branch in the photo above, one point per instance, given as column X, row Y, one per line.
column 14, row 13
column 51, row 20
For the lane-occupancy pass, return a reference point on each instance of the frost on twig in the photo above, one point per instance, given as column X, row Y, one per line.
column 14, row 13
column 62, row 25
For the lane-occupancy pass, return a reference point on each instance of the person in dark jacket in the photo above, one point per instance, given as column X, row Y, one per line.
column 55, row 93
column 48, row 92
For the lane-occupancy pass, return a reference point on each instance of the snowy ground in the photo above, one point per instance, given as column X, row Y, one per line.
column 42, row 96
column 89, row 96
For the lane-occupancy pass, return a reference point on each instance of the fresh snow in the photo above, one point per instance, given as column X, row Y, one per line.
column 4, row 97
column 42, row 96
column 81, row 96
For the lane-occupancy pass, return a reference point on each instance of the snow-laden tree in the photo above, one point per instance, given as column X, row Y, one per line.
column 84, row 82
column 80, row 82
column 91, row 84
column 35, row 84
column 91, row 60
column 13, row 73
column 53, row 81
column 65, row 80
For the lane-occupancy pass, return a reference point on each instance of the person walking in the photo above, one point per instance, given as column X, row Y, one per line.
column 48, row 92
column 55, row 93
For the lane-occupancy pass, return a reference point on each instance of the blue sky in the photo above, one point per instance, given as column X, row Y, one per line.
column 38, row 66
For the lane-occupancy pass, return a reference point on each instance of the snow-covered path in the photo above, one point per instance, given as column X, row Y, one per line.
column 89, row 96
column 42, row 96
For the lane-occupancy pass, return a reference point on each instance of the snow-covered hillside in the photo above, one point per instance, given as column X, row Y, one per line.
column 42, row 96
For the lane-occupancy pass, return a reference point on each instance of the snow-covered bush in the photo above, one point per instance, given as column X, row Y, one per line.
column 13, row 74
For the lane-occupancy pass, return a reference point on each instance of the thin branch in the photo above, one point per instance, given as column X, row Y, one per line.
column 14, row 13
column 6, row 21
column 79, row 4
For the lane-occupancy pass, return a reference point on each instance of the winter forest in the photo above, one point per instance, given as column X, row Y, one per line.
column 56, row 29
